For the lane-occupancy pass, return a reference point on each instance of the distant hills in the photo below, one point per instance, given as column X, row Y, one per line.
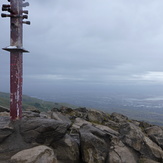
column 30, row 102
column 147, row 114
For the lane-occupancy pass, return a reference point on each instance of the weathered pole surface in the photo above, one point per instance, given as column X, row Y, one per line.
column 16, row 54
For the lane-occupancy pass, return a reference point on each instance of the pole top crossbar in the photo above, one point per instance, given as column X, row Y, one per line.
column 15, row 48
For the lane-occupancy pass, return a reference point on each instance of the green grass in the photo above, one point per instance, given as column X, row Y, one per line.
column 30, row 102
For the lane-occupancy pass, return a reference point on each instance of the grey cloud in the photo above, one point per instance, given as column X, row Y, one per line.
column 89, row 41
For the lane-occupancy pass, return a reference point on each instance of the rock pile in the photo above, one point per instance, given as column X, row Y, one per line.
column 80, row 135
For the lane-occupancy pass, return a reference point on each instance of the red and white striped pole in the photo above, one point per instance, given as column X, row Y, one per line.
column 17, row 15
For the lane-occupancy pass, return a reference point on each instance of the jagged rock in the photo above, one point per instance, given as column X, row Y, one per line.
column 97, row 116
column 146, row 160
column 30, row 114
column 42, row 131
column 112, row 124
column 33, row 109
column 106, row 129
column 119, row 153
column 5, row 128
column 156, row 134
column 46, row 115
column 135, row 138
column 82, row 135
column 4, row 114
column 77, row 125
column 4, row 109
column 66, row 150
column 144, row 125
column 152, row 150
column 82, row 109
column 64, row 110
column 60, row 117
column 81, row 113
column 12, row 143
column 39, row 154
column 119, row 118
column 94, row 144
column 131, row 135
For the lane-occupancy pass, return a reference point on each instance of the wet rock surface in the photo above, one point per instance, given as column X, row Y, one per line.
column 79, row 135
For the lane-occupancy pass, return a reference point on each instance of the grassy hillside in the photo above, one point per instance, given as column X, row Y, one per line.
column 30, row 102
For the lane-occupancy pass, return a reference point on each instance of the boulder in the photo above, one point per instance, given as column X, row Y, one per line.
column 4, row 114
column 39, row 154
column 147, row 160
column 97, row 116
column 106, row 129
column 119, row 118
column 60, row 117
column 151, row 150
column 81, row 112
column 155, row 133
column 144, row 125
column 30, row 114
column 94, row 144
column 132, row 136
column 82, row 109
column 77, row 125
column 4, row 109
column 112, row 124
column 42, row 131
column 119, row 153
column 33, row 109
column 5, row 128
column 66, row 150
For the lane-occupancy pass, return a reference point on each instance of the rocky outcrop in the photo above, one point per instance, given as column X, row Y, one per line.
column 79, row 135
column 38, row 154
column 5, row 129
column 4, row 109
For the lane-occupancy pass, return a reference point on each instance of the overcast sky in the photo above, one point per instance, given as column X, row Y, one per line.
column 89, row 42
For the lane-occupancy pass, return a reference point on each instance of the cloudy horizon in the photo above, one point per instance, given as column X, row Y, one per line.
column 89, row 43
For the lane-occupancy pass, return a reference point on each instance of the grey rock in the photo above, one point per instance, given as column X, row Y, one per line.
column 12, row 143
column 106, row 129
column 60, row 117
column 78, row 123
column 4, row 109
column 155, row 133
column 97, row 116
column 119, row 153
column 82, row 109
column 39, row 154
column 132, row 136
column 147, row 160
column 94, row 144
column 30, row 114
column 42, row 131
column 112, row 124
column 119, row 118
column 33, row 109
column 144, row 125
column 6, row 128
column 66, row 150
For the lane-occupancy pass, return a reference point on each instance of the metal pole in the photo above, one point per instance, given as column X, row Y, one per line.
column 16, row 54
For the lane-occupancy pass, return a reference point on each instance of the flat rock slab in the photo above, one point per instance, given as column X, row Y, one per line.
column 39, row 154
column 42, row 131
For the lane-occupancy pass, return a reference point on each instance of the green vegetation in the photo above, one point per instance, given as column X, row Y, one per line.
column 32, row 103
column 133, row 113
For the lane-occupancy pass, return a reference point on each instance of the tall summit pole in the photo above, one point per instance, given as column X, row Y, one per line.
column 17, row 15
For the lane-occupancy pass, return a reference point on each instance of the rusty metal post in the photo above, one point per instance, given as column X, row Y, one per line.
column 16, row 54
